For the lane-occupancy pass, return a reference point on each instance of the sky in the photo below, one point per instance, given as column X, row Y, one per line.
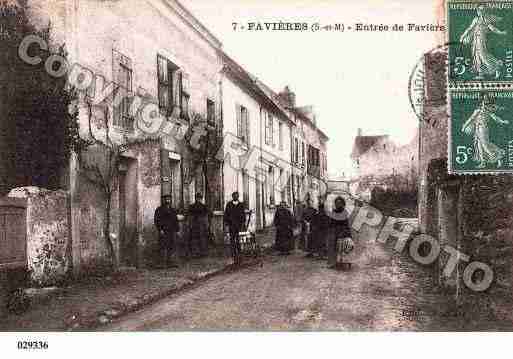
column 353, row 79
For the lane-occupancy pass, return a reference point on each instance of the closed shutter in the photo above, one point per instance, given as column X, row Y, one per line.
column 246, row 125
column 180, row 97
column 177, row 93
column 238, row 120
column 163, row 82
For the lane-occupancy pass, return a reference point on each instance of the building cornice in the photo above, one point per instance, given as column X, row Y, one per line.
column 180, row 10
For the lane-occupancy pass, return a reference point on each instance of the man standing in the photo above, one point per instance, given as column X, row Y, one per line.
column 234, row 218
column 198, row 227
column 166, row 221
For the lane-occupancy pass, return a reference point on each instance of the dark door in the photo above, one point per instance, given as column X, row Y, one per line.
column 128, row 209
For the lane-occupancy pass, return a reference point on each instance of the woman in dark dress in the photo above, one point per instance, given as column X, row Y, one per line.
column 339, row 228
column 284, row 221
column 320, row 227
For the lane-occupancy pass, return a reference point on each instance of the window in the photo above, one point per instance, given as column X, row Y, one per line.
column 185, row 106
column 242, row 123
column 169, row 85
column 314, row 162
column 302, row 154
column 280, row 136
column 269, row 130
column 122, row 68
column 211, row 112
column 296, row 151
column 125, row 119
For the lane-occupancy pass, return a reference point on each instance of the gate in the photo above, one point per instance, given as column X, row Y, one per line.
column 13, row 233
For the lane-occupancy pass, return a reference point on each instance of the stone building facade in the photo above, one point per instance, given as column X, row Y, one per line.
column 159, row 53
column 308, row 152
column 262, row 129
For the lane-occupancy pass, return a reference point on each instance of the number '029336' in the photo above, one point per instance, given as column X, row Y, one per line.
column 32, row 345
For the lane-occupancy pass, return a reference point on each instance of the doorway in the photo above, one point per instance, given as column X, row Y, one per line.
column 128, row 210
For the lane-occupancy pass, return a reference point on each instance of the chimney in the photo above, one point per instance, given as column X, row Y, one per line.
column 359, row 133
column 288, row 97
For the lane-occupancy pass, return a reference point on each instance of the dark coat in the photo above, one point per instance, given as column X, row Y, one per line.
column 166, row 219
column 197, row 209
column 284, row 221
column 320, row 226
column 283, row 218
column 235, row 216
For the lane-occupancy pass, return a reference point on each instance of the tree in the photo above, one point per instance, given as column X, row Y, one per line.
column 204, row 143
column 37, row 128
column 99, row 162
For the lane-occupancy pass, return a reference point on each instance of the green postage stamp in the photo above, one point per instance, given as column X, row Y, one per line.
column 481, row 86
column 480, row 133
column 482, row 38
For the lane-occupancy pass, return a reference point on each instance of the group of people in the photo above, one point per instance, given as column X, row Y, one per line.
column 320, row 229
column 166, row 222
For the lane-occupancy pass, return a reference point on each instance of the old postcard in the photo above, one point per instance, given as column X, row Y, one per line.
column 243, row 165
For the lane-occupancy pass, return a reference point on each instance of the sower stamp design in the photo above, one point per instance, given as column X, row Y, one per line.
column 481, row 132
column 484, row 30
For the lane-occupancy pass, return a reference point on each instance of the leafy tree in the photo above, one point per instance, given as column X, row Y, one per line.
column 204, row 142
column 37, row 129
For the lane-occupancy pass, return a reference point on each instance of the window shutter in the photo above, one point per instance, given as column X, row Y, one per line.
column 246, row 124
column 180, row 87
column 238, row 120
column 162, row 77
column 116, row 74
column 176, row 92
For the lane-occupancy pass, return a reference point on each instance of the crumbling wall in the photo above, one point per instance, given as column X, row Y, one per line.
column 94, row 254
column 149, row 190
column 48, row 234
column 487, row 203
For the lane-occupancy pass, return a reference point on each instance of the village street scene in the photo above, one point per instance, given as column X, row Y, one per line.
column 150, row 181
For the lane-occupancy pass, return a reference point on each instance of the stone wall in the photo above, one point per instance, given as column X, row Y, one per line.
column 487, row 203
column 48, row 234
column 433, row 136
column 471, row 213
